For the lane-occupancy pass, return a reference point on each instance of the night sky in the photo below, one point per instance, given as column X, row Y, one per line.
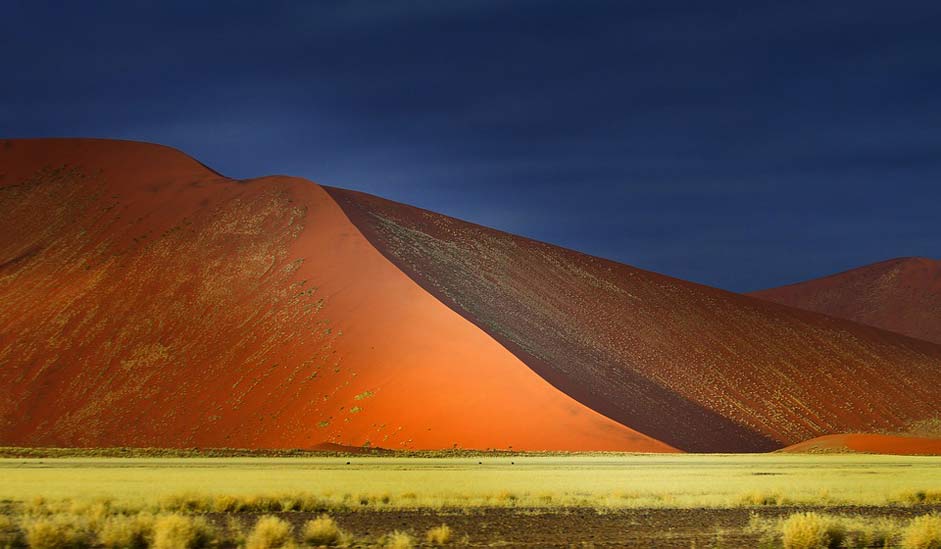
column 738, row 144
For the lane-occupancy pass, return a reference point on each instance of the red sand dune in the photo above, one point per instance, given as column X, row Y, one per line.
column 868, row 444
column 146, row 300
column 900, row 295
column 696, row 367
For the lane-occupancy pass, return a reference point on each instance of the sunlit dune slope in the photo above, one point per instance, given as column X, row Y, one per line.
column 696, row 367
column 902, row 295
column 146, row 300
column 868, row 444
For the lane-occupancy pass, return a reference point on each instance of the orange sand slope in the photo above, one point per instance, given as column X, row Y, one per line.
column 148, row 301
column 901, row 295
column 868, row 444
column 698, row 368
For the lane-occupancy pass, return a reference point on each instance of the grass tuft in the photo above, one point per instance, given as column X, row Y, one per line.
column 10, row 533
column 127, row 531
column 270, row 532
column 176, row 531
column 439, row 535
column 921, row 497
column 59, row 531
column 323, row 530
column 811, row 531
column 398, row 540
column 923, row 532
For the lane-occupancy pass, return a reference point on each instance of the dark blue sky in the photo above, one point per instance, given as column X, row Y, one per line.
column 742, row 145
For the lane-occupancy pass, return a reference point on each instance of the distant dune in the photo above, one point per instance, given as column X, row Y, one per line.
column 901, row 295
column 869, row 444
column 146, row 300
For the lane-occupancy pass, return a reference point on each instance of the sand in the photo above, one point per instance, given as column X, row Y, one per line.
column 901, row 295
column 148, row 301
column 868, row 443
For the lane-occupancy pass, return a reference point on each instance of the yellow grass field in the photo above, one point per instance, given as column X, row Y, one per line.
column 598, row 481
column 614, row 500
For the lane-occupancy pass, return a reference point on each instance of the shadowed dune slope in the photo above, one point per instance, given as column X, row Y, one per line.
column 146, row 300
column 868, row 444
column 696, row 367
column 901, row 295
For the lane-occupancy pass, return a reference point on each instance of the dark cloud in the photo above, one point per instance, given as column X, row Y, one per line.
column 738, row 144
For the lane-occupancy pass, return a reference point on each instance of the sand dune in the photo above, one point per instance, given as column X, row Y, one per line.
column 698, row 368
column 869, row 444
column 901, row 295
column 146, row 300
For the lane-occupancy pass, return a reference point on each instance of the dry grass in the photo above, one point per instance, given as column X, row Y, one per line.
column 917, row 497
column 923, row 532
column 81, row 502
column 59, row 531
column 269, row 485
column 10, row 533
column 271, row 533
column 439, row 535
column 811, row 531
column 323, row 530
column 176, row 531
column 398, row 540
column 60, row 525
column 127, row 531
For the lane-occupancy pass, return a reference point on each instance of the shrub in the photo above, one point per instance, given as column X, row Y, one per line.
column 922, row 497
column 127, row 531
column 270, row 533
column 323, row 530
column 175, row 531
column 763, row 498
column 60, row 531
column 439, row 535
column 10, row 533
column 234, row 532
column 811, row 531
column 863, row 533
column 186, row 503
column 227, row 504
column 399, row 540
column 923, row 532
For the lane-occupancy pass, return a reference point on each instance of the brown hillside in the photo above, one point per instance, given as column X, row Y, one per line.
column 698, row 368
column 148, row 301
column 900, row 295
